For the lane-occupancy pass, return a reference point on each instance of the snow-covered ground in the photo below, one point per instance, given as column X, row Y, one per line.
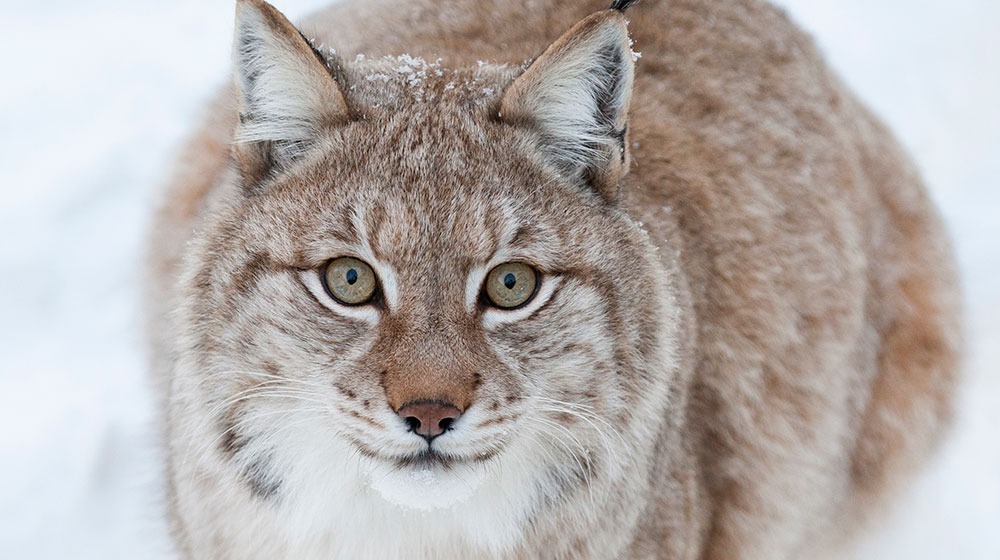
column 95, row 98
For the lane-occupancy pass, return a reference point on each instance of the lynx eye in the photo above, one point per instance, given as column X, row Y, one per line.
column 511, row 285
column 349, row 281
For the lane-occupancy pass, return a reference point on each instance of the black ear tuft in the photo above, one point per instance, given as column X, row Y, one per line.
column 622, row 5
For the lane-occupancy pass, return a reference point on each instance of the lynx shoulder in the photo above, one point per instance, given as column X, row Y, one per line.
column 475, row 279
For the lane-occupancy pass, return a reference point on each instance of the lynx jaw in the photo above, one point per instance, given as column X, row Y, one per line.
column 428, row 486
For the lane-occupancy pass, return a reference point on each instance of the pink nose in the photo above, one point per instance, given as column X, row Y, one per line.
column 429, row 419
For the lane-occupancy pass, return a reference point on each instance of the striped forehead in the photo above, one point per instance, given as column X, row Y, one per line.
column 407, row 231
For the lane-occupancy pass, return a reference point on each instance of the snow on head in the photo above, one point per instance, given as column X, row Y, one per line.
column 409, row 70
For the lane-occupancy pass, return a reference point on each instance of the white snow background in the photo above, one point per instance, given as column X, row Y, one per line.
column 95, row 98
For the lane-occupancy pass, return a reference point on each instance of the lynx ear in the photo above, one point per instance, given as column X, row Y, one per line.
column 576, row 96
column 287, row 93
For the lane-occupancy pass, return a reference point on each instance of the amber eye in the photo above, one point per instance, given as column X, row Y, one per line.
column 511, row 285
column 350, row 281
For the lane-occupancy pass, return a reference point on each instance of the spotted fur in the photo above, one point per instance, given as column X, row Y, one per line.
column 745, row 336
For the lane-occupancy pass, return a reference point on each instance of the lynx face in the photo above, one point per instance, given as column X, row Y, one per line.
column 405, row 284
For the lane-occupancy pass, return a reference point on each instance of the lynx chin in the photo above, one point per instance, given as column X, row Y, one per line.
column 470, row 279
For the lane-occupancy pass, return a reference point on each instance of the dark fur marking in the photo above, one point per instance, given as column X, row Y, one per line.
column 574, row 475
column 345, row 391
column 362, row 418
column 486, row 455
column 491, row 421
column 363, row 449
column 245, row 279
column 524, row 236
column 271, row 368
column 566, row 418
column 342, row 227
column 260, row 480
column 621, row 5
column 381, row 381
column 232, row 441
column 548, row 303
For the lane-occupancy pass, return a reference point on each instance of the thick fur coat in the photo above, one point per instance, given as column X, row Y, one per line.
column 745, row 331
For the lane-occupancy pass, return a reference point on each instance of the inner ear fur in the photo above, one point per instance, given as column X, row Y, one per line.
column 286, row 92
column 576, row 96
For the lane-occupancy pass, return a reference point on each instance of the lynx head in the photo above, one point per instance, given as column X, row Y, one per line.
column 425, row 273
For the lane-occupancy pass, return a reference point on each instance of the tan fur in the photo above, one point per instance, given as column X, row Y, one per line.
column 754, row 335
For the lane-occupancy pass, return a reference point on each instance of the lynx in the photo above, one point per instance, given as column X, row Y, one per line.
column 467, row 279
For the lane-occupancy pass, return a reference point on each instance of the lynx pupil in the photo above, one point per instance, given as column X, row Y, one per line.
column 350, row 281
column 511, row 285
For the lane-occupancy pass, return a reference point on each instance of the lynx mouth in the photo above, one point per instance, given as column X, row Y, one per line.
column 431, row 458
column 428, row 459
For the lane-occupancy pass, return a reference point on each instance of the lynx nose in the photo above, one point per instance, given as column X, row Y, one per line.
column 429, row 419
